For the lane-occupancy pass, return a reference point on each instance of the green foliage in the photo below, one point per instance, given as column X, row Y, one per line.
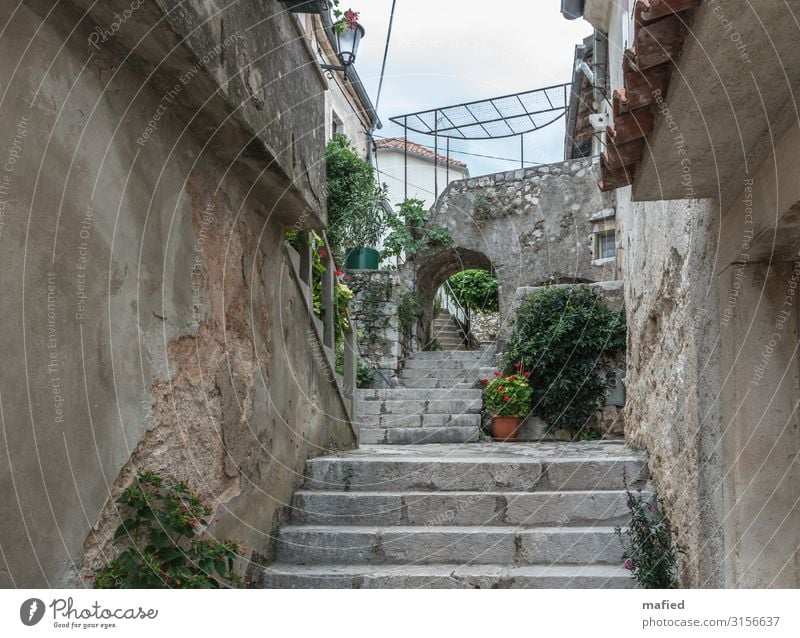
column 561, row 336
column 590, row 434
column 409, row 232
column 365, row 375
column 162, row 544
column 408, row 309
column 356, row 203
column 476, row 290
column 649, row 551
column 433, row 345
column 507, row 395
column 342, row 295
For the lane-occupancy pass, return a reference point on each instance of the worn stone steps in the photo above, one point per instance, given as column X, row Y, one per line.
column 445, row 516
column 468, row 419
column 421, row 406
column 327, row 507
column 455, row 383
column 480, row 545
column 418, row 436
column 459, row 375
column 489, row 466
column 446, row 576
column 418, row 394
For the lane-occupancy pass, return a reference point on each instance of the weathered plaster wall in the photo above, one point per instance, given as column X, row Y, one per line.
column 531, row 226
column 673, row 368
column 150, row 319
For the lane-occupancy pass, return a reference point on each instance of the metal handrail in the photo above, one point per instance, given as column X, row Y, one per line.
column 458, row 311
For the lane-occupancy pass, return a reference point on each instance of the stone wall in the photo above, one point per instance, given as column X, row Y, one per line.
column 383, row 341
column 151, row 318
column 672, row 409
column 529, row 226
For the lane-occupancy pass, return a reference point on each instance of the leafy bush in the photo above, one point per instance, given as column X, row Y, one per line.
column 356, row 203
column 409, row 232
column 163, row 548
column 562, row 336
column 342, row 295
column 408, row 309
column 649, row 551
column 476, row 290
column 507, row 395
column 365, row 375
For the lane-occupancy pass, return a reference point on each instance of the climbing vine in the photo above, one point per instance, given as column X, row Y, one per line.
column 408, row 310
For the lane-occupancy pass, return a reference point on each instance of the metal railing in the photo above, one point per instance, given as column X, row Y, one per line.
column 327, row 281
column 459, row 312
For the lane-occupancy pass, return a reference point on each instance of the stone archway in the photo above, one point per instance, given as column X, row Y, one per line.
column 529, row 227
column 433, row 270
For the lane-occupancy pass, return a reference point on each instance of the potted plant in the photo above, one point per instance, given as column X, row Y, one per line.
column 508, row 399
column 356, row 205
column 307, row 6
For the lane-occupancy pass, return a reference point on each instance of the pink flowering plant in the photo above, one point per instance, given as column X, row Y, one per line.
column 507, row 395
column 649, row 552
column 165, row 543
column 345, row 20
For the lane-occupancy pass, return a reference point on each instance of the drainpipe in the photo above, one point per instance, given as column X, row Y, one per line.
column 600, row 63
column 574, row 102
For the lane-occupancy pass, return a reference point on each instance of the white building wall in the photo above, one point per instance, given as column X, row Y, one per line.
column 421, row 176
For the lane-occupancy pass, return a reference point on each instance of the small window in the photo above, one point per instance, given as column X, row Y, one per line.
column 606, row 245
column 337, row 125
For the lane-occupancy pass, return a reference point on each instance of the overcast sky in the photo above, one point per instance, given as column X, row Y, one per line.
column 444, row 52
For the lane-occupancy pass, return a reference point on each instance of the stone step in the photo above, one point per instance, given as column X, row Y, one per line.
column 418, row 435
column 327, row 507
column 504, row 545
column 449, row 576
column 421, row 406
column 467, row 355
column 489, row 466
column 373, row 421
column 450, row 377
column 417, row 394
column 455, row 383
column 454, row 366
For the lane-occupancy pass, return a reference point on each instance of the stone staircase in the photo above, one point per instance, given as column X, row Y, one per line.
column 446, row 332
column 492, row 515
column 440, row 402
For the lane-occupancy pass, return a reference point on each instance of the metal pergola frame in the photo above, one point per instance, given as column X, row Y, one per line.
column 479, row 116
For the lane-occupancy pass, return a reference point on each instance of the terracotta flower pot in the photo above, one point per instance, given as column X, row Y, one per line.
column 504, row 428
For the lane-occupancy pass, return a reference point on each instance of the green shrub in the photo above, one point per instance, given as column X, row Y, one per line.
column 161, row 534
column 648, row 549
column 365, row 375
column 561, row 336
column 409, row 232
column 476, row 290
column 356, row 203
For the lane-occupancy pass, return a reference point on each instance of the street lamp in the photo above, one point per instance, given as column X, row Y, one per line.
column 347, row 41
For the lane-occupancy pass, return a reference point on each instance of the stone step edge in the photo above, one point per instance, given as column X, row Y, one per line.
column 459, row 494
column 447, row 530
column 444, row 569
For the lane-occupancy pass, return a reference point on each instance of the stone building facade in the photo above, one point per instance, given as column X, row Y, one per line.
column 151, row 314
column 529, row 226
column 709, row 235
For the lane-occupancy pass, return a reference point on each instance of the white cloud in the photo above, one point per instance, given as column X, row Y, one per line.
column 449, row 51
